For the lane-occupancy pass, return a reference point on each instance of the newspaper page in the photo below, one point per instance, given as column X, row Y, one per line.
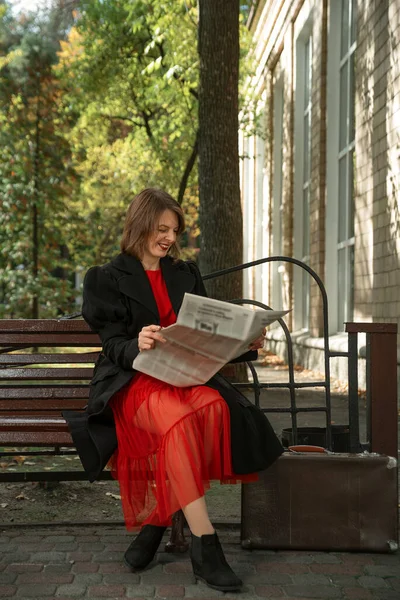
column 207, row 334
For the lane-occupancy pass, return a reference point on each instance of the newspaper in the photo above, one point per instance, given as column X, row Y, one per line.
column 207, row 334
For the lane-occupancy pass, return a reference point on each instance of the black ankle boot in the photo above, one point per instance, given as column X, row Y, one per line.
column 209, row 564
column 144, row 547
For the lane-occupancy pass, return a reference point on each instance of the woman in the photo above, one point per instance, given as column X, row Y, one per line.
column 167, row 443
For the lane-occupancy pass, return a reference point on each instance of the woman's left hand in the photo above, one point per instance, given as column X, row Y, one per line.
column 258, row 342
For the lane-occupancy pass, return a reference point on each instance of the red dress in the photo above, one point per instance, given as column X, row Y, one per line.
column 171, row 441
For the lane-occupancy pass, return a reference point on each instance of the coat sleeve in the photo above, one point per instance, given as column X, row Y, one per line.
column 201, row 291
column 104, row 310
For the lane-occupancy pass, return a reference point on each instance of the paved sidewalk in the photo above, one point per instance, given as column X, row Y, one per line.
column 86, row 562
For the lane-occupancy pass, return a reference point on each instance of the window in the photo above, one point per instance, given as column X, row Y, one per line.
column 345, row 238
column 277, row 297
column 303, row 112
column 339, row 228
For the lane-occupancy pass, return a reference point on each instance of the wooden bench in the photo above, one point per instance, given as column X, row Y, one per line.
column 37, row 383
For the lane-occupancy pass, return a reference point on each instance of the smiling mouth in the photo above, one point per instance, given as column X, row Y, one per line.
column 164, row 246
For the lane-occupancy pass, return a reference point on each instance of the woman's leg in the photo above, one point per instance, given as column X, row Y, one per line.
column 196, row 515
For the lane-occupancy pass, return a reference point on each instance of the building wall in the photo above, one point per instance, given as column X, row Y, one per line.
column 377, row 197
column 369, row 284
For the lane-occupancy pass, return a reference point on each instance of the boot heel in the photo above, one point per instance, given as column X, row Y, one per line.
column 210, row 566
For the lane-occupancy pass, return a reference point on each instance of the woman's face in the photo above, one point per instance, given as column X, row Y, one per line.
column 160, row 241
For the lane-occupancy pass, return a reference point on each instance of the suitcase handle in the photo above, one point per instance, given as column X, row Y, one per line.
column 305, row 448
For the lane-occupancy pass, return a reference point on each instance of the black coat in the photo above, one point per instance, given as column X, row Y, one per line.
column 117, row 303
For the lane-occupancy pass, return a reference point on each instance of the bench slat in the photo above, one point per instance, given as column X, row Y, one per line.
column 47, row 374
column 35, row 438
column 32, row 391
column 30, row 405
column 43, row 326
column 24, row 340
column 36, row 359
column 32, row 423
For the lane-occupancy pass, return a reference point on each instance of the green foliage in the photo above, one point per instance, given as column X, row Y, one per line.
column 36, row 174
column 94, row 106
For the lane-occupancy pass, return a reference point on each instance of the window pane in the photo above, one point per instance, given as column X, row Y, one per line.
column 306, row 224
column 353, row 22
column 306, row 149
column 342, row 288
column 307, row 72
column 343, row 188
column 343, row 105
column 352, row 99
column 351, row 194
column 345, row 28
column 350, row 300
column 306, row 298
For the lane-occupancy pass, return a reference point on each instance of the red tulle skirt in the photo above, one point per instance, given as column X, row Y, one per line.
column 171, row 443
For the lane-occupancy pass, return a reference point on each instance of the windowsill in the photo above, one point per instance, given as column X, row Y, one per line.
column 337, row 342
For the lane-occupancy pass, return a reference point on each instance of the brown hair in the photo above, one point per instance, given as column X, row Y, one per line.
column 142, row 218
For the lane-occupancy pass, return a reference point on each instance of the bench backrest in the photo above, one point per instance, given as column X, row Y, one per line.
column 36, row 380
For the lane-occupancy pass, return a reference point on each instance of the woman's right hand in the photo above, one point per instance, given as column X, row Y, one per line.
column 148, row 337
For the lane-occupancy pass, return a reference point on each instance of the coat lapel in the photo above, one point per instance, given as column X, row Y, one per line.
column 178, row 282
column 134, row 283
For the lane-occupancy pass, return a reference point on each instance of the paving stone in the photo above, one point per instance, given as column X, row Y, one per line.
column 45, row 577
column 8, row 547
column 107, row 591
column 8, row 577
column 92, row 547
column 113, row 568
column 345, row 581
column 326, row 558
column 369, row 581
column 88, row 578
column 36, row 590
column 394, row 583
column 140, row 591
column 25, row 567
column 269, row 591
column 312, row 591
column 79, row 557
column 385, row 595
column 288, row 568
column 178, row 567
column 356, row 593
column 121, row 578
column 159, row 578
column 383, row 570
column 170, row 591
column 7, row 591
column 48, row 557
column 58, row 568
column 66, row 547
column 269, row 578
column 310, row 579
column 108, row 557
column 201, row 591
column 338, row 569
column 74, row 589
column 60, row 539
column 85, row 567
column 16, row 557
column 386, row 559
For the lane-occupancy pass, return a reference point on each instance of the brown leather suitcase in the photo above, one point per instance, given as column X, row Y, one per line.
column 323, row 501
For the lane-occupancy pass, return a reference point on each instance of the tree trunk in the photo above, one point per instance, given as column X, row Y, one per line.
column 220, row 214
column 35, row 203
